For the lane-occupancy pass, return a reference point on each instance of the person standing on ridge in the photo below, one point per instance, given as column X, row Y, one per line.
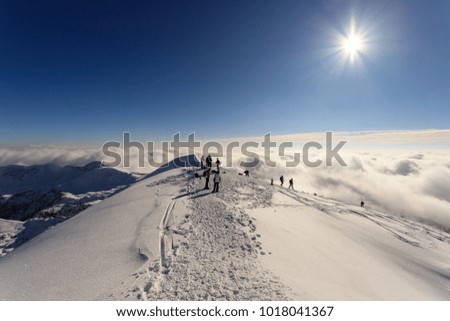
column 209, row 161
column 218, row 164
column 291, row 183
column 207, row 174
column 216, row 180
column 282, row 180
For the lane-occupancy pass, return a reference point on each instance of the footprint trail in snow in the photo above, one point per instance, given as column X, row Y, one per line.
column 209, row 247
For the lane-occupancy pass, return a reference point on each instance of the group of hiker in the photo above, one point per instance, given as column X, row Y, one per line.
column 206, row 164
column 291, row 182
column 291, row 185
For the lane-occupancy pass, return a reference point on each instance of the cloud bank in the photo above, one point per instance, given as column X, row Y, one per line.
column 40, row 155
column 404, row 182
column 395, row 182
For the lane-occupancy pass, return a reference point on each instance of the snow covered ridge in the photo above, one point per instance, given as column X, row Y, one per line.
column 40, row 196
column 167, row 238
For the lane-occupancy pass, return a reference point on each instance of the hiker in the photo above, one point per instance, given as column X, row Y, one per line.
column 216, row 180
column 291, row 183
column 362, row 203
column 207, row 174
column 202, row 162
column 246, row 172
column 271, row 181
column 209, row 161
column 282, row 180
column 218, row 164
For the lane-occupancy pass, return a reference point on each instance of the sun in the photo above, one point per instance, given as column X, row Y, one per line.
column 352, row 44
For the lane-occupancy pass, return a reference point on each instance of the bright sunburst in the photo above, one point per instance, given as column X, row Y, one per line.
column 352, row 44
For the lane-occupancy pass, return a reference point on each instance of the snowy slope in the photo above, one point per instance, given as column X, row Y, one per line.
column 88, row 254
column 326, row 250
column 41, row 196
column 165, row 238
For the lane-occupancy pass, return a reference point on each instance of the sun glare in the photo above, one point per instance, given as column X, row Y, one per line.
column 352, row 44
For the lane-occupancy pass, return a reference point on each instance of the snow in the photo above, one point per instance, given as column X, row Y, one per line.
column 35, row 196
column 88, row 254
column 166, row 238
column 334, row 251
column 325, row 258
column 8, row 231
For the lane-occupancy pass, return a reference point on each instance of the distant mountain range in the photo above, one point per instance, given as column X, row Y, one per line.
column 42, row 191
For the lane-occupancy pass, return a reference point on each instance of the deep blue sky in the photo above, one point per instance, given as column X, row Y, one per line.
column 85, row 71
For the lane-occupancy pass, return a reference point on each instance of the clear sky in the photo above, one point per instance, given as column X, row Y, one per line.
column 85, row 71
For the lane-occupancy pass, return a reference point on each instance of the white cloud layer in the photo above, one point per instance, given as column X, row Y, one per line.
column 39, row 155
column 414, row 184
column 397, row 182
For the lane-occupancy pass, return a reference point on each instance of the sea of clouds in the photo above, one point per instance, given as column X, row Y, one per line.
column 413, row 183
column 41, row 155
column 405, row 183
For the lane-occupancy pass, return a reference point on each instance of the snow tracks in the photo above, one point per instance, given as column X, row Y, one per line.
column 209, row 248
column 163, row 234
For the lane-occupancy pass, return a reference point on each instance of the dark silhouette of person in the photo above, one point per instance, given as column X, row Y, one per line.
column 246, row 172
column 218, row 164
column 362, row 203
column 207, row 174
column 282, row 180
column 291, row 183
column 271, row 181
column 209, row 161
